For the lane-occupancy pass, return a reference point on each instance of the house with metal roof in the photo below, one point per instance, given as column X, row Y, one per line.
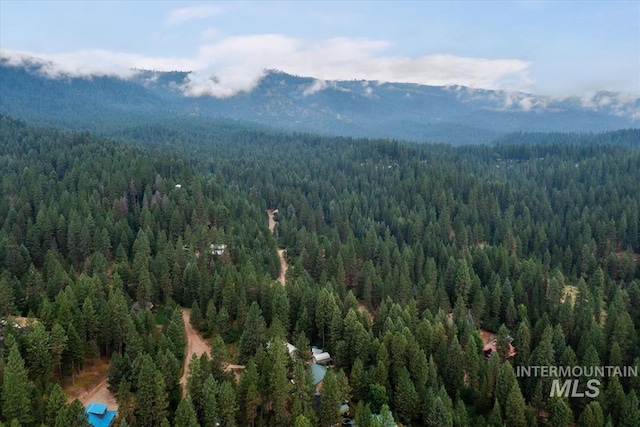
column 318, row 372
column 99, row 416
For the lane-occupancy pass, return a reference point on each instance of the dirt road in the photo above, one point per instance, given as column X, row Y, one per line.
column 283, row 262
column 195, row 345
column 272, row 222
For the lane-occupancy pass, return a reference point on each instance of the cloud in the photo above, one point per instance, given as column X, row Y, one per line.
column 182, row 15
column 238, row 63
column 87, row 63
column 315, row 87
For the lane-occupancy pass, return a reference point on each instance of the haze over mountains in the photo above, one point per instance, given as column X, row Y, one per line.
column 453, row 114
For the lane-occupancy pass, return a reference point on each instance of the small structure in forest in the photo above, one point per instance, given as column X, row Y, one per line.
column 319, row 355
column 492, row 347
column 318, row 372
column 99, row 416
column 218, row 248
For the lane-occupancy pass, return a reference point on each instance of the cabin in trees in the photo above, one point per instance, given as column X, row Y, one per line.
column 148, row 306
column 21, row 325
column 99, row 416
column 318, row 372
column 218, row 248
column 492, row 347
column 320, row 356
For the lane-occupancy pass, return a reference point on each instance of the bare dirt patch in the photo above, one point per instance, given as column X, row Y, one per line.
column 634, row 256
column 195, row 345
column 236, row 369
column 569, row 290
column 283, row 267
column 487, row 337
column 363, row 309
column 272, row 222
column 91, row 386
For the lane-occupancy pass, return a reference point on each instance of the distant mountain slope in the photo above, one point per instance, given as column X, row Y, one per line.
column 353, row 108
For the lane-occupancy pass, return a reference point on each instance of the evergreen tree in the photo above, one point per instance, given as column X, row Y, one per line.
column 73, row 416
column 561, row 414
column 515, row 410
column 227, row 403
column 329, row 412
column 252, row 335
column 248, row 393
column 185, row 414
column 592, row 416
column 16, row 389
column 438, row 415
column 151, row 397
column 56, row 403
column 38, row 356
column 212, row 412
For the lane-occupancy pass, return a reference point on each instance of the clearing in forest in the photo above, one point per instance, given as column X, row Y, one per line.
column 91, row 386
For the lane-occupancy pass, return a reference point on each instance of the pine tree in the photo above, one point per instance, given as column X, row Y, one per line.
column 302, row 391
column 515, row 410
column 195, row 383
column 73, row 416
column 126, row 403
column 406, row 399
column 561, row 415
column 630, row 415
column 439, row 415
column 196, row 315
column 386, row 418
column 38, row 356
column 357, row 380
column 253, row 333
column 302, row 421
column 227, row 403
column 16, row 402
column 592, row 416
column 151, row 396
column 56, row 402
column 248, row 393
column 363, row 415
column 212, row 413
column 329, row 412
column 185, row 414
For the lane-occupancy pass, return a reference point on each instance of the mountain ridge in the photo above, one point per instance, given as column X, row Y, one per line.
column 358, row 108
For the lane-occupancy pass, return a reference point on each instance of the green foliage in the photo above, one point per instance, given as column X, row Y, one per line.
column 186, row 415
column 16, row 389
column 512, row 238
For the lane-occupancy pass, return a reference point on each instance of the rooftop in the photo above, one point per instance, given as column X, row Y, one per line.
column 99, row 416
column 318, row 372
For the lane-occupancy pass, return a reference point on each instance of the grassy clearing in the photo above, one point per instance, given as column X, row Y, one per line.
column 160, row 316
column 91, row 375
column 570, row 290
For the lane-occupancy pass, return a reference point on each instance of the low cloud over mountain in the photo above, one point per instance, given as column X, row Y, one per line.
column 450, row 113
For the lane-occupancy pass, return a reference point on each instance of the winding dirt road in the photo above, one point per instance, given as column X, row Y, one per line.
column 283, row 262
column 195, row 345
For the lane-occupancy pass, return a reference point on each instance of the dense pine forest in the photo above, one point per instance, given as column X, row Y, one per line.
column 402, row 259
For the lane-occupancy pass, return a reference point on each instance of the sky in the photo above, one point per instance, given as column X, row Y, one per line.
column 554, row 48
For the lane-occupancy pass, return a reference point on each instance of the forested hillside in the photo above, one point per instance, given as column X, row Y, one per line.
column 402, row 260
column 358, row 108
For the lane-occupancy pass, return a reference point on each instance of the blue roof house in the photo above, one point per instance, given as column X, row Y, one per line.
column 99, row 416
column 318, row 372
